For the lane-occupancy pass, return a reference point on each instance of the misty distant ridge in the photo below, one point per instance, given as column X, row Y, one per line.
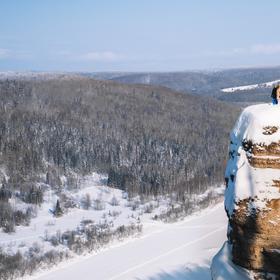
column 210, row 83
column 36, row 75
column 232, row 85
column 267, row 71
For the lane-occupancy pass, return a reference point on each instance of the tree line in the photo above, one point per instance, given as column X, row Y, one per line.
column 150, row 140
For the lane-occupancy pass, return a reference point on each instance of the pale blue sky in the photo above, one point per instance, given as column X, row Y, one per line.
column 138, row 35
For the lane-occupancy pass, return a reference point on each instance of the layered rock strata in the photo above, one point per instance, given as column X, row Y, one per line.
column 252, row 197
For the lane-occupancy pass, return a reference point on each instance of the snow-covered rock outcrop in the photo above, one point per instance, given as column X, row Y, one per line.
column 252, row 197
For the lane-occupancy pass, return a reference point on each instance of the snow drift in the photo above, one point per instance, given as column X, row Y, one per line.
column 251, row 87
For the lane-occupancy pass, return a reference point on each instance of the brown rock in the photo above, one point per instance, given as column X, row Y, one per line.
column 252, row 198
column 255, row 235
column 264, row 162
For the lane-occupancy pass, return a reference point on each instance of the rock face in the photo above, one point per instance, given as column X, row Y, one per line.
column 252, row 197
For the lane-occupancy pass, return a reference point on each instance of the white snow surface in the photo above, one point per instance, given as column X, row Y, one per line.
column 250, row 87
column 248, row 182
column 181, row 250
column 223, row 268
column 251, row 122
column 46, row 224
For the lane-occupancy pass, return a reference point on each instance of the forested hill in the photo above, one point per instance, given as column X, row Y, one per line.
column 208, row 83
column 149, row 139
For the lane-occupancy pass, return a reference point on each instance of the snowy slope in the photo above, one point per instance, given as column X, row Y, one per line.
column 46, row 224
column 182, row 250
column 251, row 87
column 164, row 239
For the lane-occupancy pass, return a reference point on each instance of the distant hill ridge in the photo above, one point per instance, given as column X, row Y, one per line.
column 227, row 85
column 210, row 83
column 34, row 75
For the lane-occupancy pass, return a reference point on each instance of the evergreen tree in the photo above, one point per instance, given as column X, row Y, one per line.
column 58, row 211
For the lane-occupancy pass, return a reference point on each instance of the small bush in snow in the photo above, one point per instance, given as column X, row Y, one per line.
column 149, row 208
column 124, row 195
column 133, row 204
column 54, row 241
column 86, row 201
column 86, row 222
column 9, row 217
column 114, row 213
column 34, row 250
column 67, row 201
column 114, row 201
column 50, row 223
column 98, row 205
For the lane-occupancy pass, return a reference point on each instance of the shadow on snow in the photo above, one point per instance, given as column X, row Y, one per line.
column 197, row 273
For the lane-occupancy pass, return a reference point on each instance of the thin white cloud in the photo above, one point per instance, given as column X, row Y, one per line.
column 105, row 56
column 266, row 49
column 4, row 53
column 92, row 56
column 11, row 54
column 257, row 49
column 229, row 52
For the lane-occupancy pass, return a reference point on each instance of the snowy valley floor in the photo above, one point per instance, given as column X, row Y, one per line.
column 182, row 250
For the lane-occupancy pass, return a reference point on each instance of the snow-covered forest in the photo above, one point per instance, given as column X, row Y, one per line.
column 161, row 153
